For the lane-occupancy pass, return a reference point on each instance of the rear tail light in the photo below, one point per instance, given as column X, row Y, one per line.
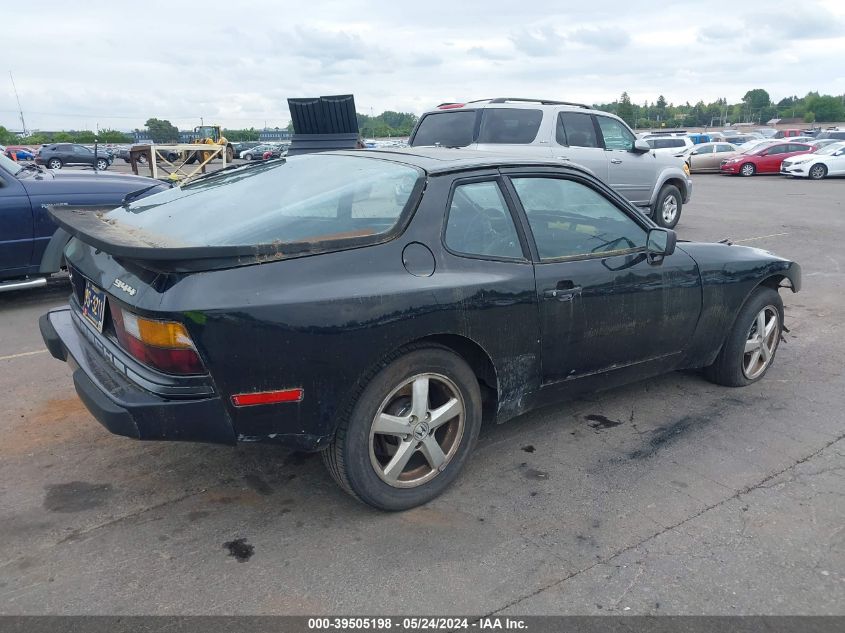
column 163, row 345
column 450, row 106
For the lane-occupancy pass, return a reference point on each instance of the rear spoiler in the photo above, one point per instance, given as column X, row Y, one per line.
column 89, row 225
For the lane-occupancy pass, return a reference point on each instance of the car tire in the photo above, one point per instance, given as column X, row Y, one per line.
column 667, row 207
column 101, row 164
column 817, row 172
column 746, row 356
column 366, row 456
column 54, row 163
column 747, row 169
column 230, row 154
column 246, row 156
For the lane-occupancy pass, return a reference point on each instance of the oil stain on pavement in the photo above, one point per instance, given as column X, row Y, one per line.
column 240, row 549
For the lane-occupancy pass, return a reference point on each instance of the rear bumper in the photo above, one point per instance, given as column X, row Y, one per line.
column 122, row 406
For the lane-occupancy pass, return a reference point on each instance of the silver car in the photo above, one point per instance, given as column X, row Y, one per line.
column 558, row 130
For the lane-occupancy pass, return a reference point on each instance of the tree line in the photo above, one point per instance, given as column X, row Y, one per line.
column 756, row 107
column 388, row 123
column 76, row 136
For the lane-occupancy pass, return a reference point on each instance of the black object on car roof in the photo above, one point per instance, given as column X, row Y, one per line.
column 323, row 123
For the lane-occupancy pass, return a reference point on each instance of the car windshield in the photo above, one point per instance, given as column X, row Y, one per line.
column 302, row 200
column 9, row 165
column 827, row 150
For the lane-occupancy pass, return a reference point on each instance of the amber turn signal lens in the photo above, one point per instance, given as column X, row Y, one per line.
column 168, row 334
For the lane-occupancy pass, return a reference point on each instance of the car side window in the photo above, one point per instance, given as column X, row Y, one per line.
column 509, row 125
column 707, row 149
column 720, row 149
column 569, row 219
column 576, row 129
column 616, row 135
column 797, row 148
column 777, row 149
column 480, row 222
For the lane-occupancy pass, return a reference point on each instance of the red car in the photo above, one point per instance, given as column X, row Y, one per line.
column 788, row 133
column 763, row 159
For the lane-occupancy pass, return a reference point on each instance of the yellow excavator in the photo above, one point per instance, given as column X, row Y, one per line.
column 210, row 135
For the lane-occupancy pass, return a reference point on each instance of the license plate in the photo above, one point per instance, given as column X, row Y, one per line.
column 94, row 305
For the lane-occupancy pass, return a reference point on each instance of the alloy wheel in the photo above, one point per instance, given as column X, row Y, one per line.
column 417, row 430
column 747, row 169
column 669, row 210
column 817, row 172
column 761, row 342
column 55, row 164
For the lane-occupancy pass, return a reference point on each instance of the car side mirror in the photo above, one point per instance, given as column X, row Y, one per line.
column 641, row 147
column 661, row 242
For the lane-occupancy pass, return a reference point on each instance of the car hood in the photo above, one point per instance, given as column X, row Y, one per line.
column 73, row 182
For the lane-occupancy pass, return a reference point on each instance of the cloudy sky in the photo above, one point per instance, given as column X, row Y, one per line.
column 235, row 62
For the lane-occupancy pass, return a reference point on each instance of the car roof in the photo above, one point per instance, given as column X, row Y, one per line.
column 514, row 102
column 441, row 160
column 519, row 102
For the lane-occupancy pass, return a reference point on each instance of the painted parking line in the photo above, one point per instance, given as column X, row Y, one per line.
column 22, row 354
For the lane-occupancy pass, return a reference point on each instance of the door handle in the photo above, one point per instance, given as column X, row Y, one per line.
column 616, row 161
column 564, row 291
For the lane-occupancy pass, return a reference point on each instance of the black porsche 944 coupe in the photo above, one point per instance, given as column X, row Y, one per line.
column 376, row 305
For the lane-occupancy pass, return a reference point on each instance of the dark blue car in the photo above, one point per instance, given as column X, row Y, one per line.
column 30, row 244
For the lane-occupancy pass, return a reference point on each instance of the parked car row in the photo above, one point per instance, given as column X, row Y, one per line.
column 18, row 152
column 264, row 151
column 816, row 160
column 748, row 154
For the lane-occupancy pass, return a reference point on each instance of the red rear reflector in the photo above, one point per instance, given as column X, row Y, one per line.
column 268, row 397
column 450, row 106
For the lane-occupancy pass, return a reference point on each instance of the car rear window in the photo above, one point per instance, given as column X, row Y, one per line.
column 449, row 129
column 307, row 199
column 509, row 125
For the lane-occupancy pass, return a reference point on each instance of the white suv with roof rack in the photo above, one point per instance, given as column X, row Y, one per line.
column 559, row 130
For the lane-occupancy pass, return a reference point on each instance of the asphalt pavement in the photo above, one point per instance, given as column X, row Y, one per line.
column 670, row 496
